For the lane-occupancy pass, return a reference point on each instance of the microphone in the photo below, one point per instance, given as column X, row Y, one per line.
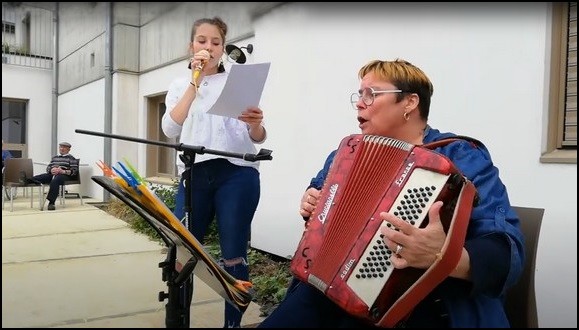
column 197, row 72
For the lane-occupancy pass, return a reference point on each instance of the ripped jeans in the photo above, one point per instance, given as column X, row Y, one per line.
column 228, row 193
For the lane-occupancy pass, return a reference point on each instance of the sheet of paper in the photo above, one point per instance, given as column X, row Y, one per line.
column 242, row 89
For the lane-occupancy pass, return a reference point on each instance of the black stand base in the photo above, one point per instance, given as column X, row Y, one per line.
column 177, row 309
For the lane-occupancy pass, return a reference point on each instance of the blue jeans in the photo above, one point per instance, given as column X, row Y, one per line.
column 228, row 193
column 307, row 307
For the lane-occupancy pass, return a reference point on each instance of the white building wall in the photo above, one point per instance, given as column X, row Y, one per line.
column 126, row 116
column 83, row 108
column 32, row 84
column 489, row 67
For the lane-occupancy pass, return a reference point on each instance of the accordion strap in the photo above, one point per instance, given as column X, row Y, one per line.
column 442, row 267
column 440, row 143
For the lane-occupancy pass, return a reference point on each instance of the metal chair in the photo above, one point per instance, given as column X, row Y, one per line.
column 521, row 303
column 16, row 173
column 74, row 180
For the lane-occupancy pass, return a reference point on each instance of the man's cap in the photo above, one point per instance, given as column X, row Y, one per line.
column 65, row 144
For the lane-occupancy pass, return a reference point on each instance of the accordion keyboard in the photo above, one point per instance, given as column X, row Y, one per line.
column 373, row 268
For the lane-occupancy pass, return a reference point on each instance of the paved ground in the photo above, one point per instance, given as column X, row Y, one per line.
column 79, row 267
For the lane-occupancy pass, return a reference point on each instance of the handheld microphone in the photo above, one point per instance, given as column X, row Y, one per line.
column 197, row 72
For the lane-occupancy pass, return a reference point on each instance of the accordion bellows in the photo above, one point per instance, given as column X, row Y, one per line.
column 342, row 252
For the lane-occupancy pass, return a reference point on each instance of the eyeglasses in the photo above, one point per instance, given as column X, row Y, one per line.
column 368, row 94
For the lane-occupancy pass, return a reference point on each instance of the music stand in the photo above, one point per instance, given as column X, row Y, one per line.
column 180, row 241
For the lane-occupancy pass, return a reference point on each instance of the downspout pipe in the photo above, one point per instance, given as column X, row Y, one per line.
column 108, row 120
column 55, row 35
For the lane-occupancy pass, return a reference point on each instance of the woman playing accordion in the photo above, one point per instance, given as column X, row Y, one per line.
column 481, row 263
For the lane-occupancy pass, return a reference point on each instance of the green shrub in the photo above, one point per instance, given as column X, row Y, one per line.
column 166, row 194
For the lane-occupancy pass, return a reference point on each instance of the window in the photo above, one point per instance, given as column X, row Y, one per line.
column 8, row 27
column 562, row 129
column 14, row 126
column 160, row 160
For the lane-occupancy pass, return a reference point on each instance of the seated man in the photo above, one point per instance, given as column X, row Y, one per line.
column 59, row 170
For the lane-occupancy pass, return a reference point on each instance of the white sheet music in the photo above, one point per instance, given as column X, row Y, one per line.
column 242, row 89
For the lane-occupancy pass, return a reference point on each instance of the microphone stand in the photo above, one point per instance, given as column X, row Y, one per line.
column 179, row 283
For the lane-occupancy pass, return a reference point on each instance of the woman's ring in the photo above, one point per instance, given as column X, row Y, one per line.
column 398, row 249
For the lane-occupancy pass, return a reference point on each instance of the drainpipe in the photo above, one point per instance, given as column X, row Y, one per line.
column 55, row 33
column 108, row 88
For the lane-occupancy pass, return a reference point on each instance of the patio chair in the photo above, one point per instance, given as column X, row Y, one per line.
column 17, row 171
column 74, row 180
column 521, row 301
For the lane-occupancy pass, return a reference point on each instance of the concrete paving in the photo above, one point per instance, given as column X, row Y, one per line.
column 79, row 267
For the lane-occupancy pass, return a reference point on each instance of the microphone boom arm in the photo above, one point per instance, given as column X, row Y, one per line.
column 263, row 154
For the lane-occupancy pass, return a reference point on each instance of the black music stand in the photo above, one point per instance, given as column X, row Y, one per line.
column 179, row 283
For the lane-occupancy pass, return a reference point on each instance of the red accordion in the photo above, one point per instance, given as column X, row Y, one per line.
column 341, row 252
